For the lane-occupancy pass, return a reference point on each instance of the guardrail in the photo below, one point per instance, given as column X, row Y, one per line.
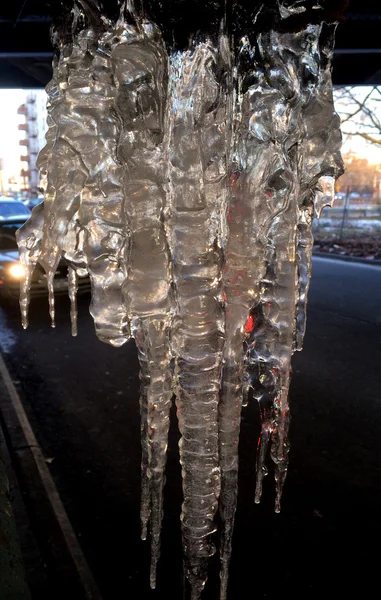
column 352, row 212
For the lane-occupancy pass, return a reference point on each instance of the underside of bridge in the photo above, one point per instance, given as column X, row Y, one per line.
column 26, row 52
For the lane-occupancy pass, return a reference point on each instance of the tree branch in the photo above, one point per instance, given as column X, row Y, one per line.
column 367, row 117
column 366, row 136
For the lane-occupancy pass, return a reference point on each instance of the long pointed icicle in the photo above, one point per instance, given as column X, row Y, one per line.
column 272, row 339
column 140, row 62
column 144, row 376
column 241, row 276
column 52, row 310
column 197, row 332
column 281, row 280
column 155, row 400
column 25, row 285
column 73, row 289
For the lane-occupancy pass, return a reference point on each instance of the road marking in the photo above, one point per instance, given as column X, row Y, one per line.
column 85, row 576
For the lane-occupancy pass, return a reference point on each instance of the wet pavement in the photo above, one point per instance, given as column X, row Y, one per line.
column 81, row 397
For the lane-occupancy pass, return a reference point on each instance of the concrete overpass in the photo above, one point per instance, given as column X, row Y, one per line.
column 26, row 54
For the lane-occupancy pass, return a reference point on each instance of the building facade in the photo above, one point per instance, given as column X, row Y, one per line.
column 32, row 129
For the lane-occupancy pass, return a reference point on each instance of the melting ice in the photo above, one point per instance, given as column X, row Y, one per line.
column 184, row 181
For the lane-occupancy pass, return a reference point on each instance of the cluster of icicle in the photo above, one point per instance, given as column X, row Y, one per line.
column 184, row 184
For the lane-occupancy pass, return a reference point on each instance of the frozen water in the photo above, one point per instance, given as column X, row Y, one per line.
column 184, row 181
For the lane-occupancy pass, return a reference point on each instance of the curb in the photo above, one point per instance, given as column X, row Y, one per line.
column 352, row 259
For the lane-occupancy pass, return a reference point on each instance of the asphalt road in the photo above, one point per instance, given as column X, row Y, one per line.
column 82, row 399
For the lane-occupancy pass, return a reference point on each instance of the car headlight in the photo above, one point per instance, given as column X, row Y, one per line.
column 17, row 271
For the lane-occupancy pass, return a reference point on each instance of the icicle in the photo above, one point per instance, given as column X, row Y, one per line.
column 321, row 164
column 139, row 55
column 243, row 271
column 264, row 387
column 279, row 440
column 145, row 499
column 52, row 311
column 304, row 247
column 197, row 165
column 272, row 346
column 66, row 170
column 73, row 289
column 29, row 241
column 155, row 406
column 25, row 285
column 183, row 183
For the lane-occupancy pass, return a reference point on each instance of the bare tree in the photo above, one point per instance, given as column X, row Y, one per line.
column 360, row 112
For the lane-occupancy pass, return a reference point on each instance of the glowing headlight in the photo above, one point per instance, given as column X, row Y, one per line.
column 17, row 271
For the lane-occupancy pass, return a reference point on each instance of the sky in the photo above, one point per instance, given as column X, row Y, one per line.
column 363, row 149
column 10, row 150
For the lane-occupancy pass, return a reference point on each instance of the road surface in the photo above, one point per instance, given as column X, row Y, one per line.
column 82, row 400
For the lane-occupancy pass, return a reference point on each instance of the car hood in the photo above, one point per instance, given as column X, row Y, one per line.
column 15, row 217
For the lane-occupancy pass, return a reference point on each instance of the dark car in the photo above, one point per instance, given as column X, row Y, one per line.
column 14, row 209
column 11, row 270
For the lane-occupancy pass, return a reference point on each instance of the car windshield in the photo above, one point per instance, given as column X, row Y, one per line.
column 8, row 235
column 10, row 209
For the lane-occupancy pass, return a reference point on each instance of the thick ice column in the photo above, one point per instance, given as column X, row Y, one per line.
column 320, row 159
column 84, row 180
column 140, row 69
column 94, row 134
column 279, row 288
column 88, row 132
column 289, row 246
column 196, row 165
column 271, row 322
column 66, row 172
column 242, row 273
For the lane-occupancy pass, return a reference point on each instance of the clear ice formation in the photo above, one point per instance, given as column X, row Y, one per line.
column 183, row 179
